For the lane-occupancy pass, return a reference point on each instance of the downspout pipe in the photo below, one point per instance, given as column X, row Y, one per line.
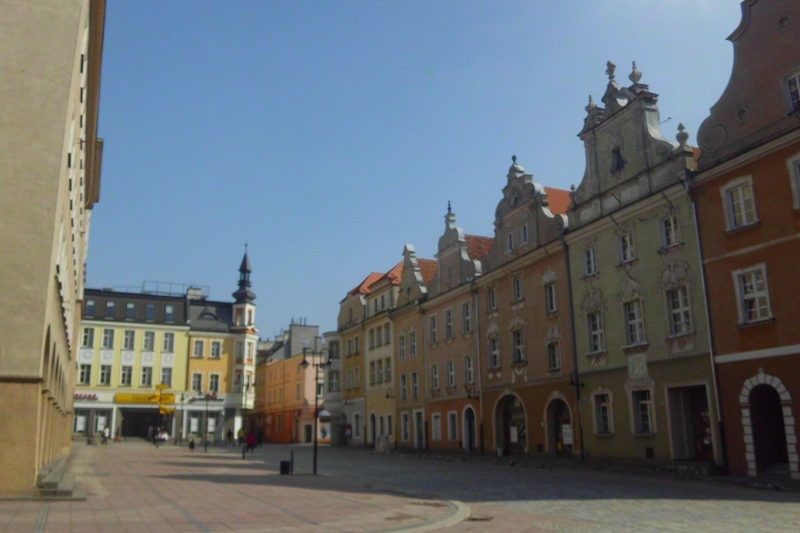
column 576, row 381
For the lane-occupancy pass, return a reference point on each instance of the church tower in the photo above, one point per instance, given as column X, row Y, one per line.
column 245, row 335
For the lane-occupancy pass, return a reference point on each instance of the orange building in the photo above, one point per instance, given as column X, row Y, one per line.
column 747, row 195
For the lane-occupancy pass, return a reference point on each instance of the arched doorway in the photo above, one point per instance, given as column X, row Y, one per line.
column 769, row 433
column 510, row 427
column 468, row 436
column 559, row 428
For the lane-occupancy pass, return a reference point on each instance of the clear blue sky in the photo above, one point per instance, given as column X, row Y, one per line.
column 327, row 134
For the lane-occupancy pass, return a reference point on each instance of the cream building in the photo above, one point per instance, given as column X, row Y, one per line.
column 50, row 160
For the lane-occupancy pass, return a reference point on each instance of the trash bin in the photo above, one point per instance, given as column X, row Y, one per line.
column 286, row 468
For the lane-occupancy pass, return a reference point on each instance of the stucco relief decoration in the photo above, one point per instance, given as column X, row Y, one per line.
column 552, row 334
column 675, row 275
column 548, row 277
column 106, row 355
column 631, row 290
column 638, row 376
column 167, row 358
column 520, row 372
column 85, row 356
column 492, row 329
column 147, row 358
column 516, row 323
column 593, row 300
column 127, row 357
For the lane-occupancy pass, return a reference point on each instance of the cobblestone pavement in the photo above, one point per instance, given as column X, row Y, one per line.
column 135, row 487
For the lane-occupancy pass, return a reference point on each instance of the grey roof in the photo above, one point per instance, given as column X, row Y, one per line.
column 206, row 315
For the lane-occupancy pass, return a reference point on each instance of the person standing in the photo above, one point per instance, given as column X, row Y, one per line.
column 229, row 435
column 106, row 434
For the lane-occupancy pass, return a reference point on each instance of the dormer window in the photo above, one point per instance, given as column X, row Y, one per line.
column 617, row 162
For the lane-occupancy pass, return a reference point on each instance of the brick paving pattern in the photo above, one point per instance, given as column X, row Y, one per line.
column 134, row 487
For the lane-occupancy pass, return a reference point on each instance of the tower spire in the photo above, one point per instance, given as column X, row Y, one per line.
column 244, row 294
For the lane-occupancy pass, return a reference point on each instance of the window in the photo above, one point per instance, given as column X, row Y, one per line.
column 412, row 343
column 333, row 381
column 166, row 376
column 642, row 412
column 88, row 337
column 387, row 334
column 452, row 428
column 297, row 391
column 251, row 350
column 198, row 349
column 634, row 323
column 147, row 376
column 469, row 373
column 357, row 425
column 85, row 374
column 169, row 313
column 509, row 241
column 553, row 356
column 436, row 426
column 382, row 302
column 793, row 86
column 669, row 231
column 379, row 370
column 389, row 425
column 794, row 176
column 680, row 315
column 602, row 414
column 105, row 374
column 737, row 198
column 626, row 248
column 126, row 376
column 130, row 311
column 403, row 388
column 752, row 294
column 435, row 376
column 517, row 284
column 517, row 343
column 405, row 433
column 213, row 383
column 149, row 341
column 433, row 329
column 356, row 344
column 374, row 307
column 589, row 262
column 108, row 339
column 550, row 301
column 216, row 349
column 356, row 377
column 91, row 308
column 149, row 312
column 379, row 336
column 492, row 299
column 349, row 347
column 524, row 234
column 128, row 339
column 401, row 347
column 169, row 342
column 387, row 370
column 197, row 382
column 466, row 317
column 448, row 324
column 451, row 374
column 109, row 309
column 414, row 385
column 494, row 353
column 372, row 372
column 597, row 342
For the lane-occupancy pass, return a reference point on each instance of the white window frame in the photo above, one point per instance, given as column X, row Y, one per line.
column 128, row 339
column 84, row 374
column 553, row 356
column 414, row 385
column 88, row 338
column 435, row 376
column 466, row 317
column 550, row 298
column 731, row 197
column 403, row 387
column 793, row 166
column 469, row 371
column 405, row 433
column 451, row 374
column 164, row 371
column 216, row 349
column 197, row 382
column 432, row 323
column 739, row 282
column 436, row 427
column 126, row 375
column 108, row 339
column 448, row 324
column 524, row 234
column 148, row 372
column 169, row 313
column 412, row 343
column 212, row 386
column 793, row 100
column 387, row 370
column 637, row 427
column 452, row 425
column 596, row 330
column 627, row 247
column 105, row 375
column 149, row 341
column 494, row 352
column 517, row 345
column 168, row 346
column 670, row 232
column 590, row 261
column 516, row 284
column 596, row 412
column 493, row 299
column 683, row 312
column 509, row 241
column 195, row 351
column 633, row 316
column 401, row 347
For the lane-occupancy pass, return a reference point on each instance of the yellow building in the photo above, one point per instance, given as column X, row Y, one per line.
column 50, row 181
column 130, row 343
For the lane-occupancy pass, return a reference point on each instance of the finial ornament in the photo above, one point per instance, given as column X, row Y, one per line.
column 591, row 105
column 245, row 247
column 635, row 74
column 449, row 210
column 514, row 159
column 682, row 136
column 610, row 68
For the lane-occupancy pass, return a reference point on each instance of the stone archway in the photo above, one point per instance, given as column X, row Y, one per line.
column 469, row 429
column 510, row 429
column 558, row 425
column 757, row 396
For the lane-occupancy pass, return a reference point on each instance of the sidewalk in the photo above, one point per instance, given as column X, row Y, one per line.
column 133, row 486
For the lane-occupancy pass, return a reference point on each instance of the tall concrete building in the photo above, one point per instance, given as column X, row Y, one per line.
column 50, row 160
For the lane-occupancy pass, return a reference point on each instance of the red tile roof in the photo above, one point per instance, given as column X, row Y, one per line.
column 478, row 246
column 558, row 199
column 395, row 274
column 428, row 267
column 363, row 287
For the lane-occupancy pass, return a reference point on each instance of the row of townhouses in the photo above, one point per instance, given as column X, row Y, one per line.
column 648, row 313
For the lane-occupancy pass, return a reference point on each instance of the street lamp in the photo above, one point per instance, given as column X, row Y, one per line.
column 246, row 391
column 304, row 364
column 205, row 428
column 179, row 432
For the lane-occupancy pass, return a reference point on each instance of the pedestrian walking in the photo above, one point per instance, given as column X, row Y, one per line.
column 106, row 434
column 229, row 435
column 240, row 436
column 251, row 441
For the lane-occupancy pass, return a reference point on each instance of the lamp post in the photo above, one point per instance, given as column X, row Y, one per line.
column 304, row 364
column 245, row 392
column 179, row 432
column 205, row 426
